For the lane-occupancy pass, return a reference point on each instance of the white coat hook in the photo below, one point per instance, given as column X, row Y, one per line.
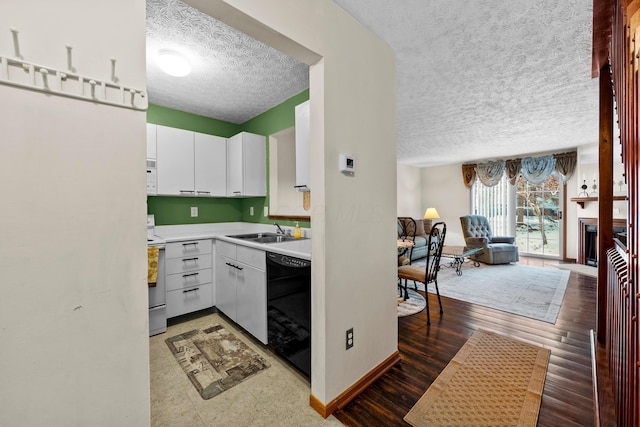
column 113, row 70
column 29, row 68
column 92, row 83
column 133, row 96
column 45, row 78
column 16, row 43
column 69, row 58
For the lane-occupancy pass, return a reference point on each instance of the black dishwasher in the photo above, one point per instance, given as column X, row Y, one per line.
column 289, row 309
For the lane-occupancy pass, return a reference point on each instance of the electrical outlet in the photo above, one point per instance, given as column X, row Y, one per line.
column 251, row 210
column 349, row 339
column 266, row 211
column 194, row 211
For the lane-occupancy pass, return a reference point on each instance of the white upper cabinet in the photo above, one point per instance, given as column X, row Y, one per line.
column 210, row 165
column 151, row 141
column 246, row 165
column 175, row 168
column 196, row 164
column 303, row 131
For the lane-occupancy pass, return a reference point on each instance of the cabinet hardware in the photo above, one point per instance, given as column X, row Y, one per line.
column 190, row 274
column 190, row 259
column 190, row 290
column 203, row 192
column 187, row 192
column 190, row 243
column 234, row 266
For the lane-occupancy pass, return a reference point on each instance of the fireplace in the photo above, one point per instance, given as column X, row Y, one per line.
column 591, row 245
column 588, row 238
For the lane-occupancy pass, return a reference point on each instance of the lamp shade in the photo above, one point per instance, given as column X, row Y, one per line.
column 431, row 213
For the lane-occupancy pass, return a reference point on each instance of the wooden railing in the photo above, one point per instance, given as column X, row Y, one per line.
column 621, row 337
column 616, row 43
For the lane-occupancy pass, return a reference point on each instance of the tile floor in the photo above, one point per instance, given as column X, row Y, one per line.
column 277, row 397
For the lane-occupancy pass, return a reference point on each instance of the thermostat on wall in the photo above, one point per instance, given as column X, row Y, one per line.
column 347, row 164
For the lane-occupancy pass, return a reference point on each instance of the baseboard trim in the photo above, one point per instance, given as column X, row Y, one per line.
column 358, row 387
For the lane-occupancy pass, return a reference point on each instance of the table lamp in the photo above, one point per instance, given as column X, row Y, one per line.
column 430, row 213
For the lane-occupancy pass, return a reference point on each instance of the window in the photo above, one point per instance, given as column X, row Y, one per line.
column 497, row 204
column 537, row 219
column 527, row 211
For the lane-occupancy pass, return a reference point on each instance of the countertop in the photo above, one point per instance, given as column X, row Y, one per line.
column 220, row 231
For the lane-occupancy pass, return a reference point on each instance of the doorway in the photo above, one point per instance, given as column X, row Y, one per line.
column 538, row 217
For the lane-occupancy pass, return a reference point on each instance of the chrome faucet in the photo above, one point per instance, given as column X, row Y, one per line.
column 280, row 230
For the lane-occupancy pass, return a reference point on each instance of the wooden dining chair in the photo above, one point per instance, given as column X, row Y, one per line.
column 429, row 273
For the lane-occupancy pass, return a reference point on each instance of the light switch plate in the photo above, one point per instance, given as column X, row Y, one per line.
column 251, row 210
column 266, row 211
column 194, row 211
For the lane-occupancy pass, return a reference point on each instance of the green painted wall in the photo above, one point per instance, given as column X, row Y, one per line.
column 177, row 210
column 280, row 117
column 182, row 120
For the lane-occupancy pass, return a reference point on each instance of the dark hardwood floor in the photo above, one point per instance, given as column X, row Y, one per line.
column 425, row 351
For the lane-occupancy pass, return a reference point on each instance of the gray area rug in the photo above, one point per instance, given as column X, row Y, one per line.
column 535, row 292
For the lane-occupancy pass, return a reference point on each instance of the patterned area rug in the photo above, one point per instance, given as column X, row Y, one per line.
column 415, row 304
column 535, row 292
column 492, row 381
column 214, row 360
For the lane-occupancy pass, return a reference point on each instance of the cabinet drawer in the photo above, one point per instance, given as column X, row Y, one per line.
column 185, row 280
column 251, row 256
column 189, row 300
column 226, row 249
column 189, row 263
column 187, row 248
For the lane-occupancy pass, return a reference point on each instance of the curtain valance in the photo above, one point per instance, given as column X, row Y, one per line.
column 534, row 169
column 490, row 173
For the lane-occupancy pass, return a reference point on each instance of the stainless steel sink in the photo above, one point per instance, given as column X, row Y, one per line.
column 264, row 237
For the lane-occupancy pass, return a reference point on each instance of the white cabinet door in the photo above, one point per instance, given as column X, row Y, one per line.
column 255, row 164
column 210, row 164
column 251, row 294
column 246, row 165
column 175, row 166
column 303, row 155
column 235, row 181
column 225, row 285
column 151, row 140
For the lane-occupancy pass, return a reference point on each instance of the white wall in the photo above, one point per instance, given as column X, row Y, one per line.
column 352, row 91
column 409, row 188
column 73, row 312
column 443, row 189
column 440, row 187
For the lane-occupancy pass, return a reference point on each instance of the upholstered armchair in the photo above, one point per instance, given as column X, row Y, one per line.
column 495, row 249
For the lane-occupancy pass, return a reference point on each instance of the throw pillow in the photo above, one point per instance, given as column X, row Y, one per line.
column 420, row 229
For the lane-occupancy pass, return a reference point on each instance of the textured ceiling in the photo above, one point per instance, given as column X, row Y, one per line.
column 475, row 80
column 234, row 77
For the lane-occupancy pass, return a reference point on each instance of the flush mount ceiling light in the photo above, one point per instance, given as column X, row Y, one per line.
column 173, row 63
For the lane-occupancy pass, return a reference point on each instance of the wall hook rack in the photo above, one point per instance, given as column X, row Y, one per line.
column 18, row 72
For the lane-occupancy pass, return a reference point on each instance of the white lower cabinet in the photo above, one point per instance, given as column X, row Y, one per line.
column 241, row 287
column 189, row 276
